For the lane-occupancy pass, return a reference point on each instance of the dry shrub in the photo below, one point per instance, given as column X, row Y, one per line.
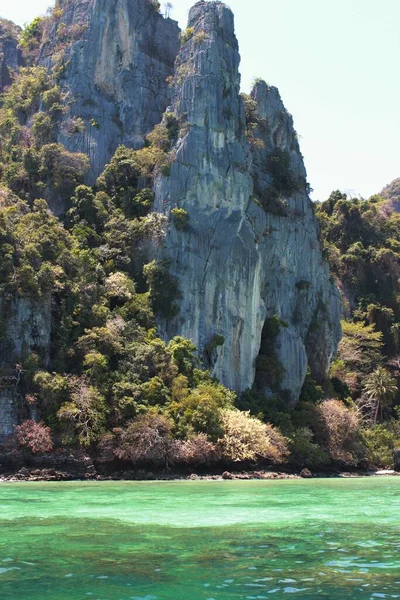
column 246, row 438
column 197, row 450
column 35, row 437
column 342, row 427
column 147, row 439
column 85, row 415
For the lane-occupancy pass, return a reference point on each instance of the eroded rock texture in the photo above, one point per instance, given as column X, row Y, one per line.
column 115, row 57
column 10, row 55
column 239, row 264
column 249, row 259
column 27, row 331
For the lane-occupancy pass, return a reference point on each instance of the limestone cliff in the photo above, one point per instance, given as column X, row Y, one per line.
column 10, row 55
column 113, row 59
column 256, row 295
column 239, row 261
column 27, row 330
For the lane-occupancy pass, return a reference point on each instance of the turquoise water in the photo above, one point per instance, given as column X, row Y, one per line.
column 336, row 539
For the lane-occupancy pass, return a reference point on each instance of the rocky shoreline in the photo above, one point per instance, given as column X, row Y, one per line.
column 84, row 468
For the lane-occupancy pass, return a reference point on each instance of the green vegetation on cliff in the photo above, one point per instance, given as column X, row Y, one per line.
column 107, row 382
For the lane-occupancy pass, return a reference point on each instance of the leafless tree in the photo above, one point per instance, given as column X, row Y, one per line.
column 167, row 9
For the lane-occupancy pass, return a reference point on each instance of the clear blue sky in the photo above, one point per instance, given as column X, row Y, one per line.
column 336, row 65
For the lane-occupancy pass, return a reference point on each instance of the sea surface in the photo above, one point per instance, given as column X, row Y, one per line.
column 207, row 540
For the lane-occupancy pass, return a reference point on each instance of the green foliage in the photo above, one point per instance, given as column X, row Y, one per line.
column 32, row 35
column 380, row 389
column 106, row 373
column 165, row 134
column 187, row 35
column 269, row 370
column 164, row 290
column 284, row 183
column 199, row 411
column 311, row 392
column 180, row 218
column 305, row 452
column 23, row 97
column 380, row 441
column 361, row 241
column 84, row 417
column 120, row 177
column 106, row 377
column 279, row 167
column 31, row 164
column 35, row 247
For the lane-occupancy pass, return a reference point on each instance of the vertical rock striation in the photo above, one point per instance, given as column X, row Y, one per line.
column 297, row 279
column 113, row 58
column 257, row 299
column 215, row 258
column 239, row 261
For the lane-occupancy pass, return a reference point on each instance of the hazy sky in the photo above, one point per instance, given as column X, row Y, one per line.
column 336, row 65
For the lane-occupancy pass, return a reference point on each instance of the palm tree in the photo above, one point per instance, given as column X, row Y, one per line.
column 380, row 389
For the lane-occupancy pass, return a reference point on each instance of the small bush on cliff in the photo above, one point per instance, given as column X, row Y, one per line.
column 31, row 38
column 187, row 35
column 164, row 290
column 180, row 218
column 284, row 183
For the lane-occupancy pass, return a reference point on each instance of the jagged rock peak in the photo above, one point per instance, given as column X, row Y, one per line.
column 210, row 49
column 213, row 17
column 114, row 59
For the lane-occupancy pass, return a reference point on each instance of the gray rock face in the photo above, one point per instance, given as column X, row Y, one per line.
column 237, row 264
column 297, row 278
column 216, row 260
column 116, row 55
column 250, row 251
column 28, row 330
column 10, row 55
column 10, row 412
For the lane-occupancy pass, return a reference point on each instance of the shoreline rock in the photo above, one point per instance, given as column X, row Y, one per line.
column 56, row 475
